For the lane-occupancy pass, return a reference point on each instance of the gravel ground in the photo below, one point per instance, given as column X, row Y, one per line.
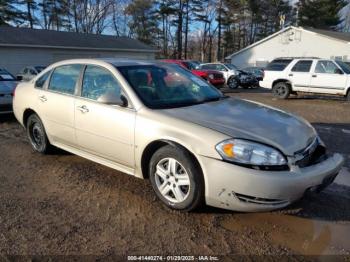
column 62, row 204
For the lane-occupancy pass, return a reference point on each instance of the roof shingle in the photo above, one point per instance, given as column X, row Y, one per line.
column 58, row 39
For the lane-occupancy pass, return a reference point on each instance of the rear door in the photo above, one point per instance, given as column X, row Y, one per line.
column 328, row 78
column 300, row 75
column 102, row 129
column 56, row 103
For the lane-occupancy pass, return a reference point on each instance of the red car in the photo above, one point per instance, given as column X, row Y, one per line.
column 214, row 77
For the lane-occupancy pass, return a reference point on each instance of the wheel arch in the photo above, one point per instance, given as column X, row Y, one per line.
column 282, row 80
column 153, row 146
column 347, row 93
column 26, row 114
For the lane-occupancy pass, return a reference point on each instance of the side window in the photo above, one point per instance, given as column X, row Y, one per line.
column 25, row 71
column 64, row 79
column 211, row 66
column 98, row 82
column 326, row 67
column 32, row 72
column 220, row 67
column 302, row 66
column 278, row 64
column 41, row 81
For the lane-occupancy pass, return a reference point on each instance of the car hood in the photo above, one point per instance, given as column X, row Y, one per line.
column 7, row 87
column 249, row 120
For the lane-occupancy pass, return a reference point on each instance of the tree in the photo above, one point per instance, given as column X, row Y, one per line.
column 9, row 13
column 144, row 20
column 30, row 6
column 323, row 14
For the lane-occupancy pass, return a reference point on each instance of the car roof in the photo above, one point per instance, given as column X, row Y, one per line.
column 213, row 63
column 111, row 61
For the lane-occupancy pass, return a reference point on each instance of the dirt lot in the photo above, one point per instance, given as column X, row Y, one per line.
column 62, row 204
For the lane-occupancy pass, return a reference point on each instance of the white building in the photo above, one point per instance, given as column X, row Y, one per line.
column 21, row 47
column 294, row 42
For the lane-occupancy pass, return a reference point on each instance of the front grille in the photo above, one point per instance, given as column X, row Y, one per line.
column 314, row 154
column 259, row 200
column 5, row 108
column 319, row 155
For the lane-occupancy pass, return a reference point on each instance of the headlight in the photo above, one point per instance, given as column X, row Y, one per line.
column 250, row 153
column 211, row 76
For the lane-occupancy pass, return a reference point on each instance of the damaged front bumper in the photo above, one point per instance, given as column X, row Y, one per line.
column 243, row 189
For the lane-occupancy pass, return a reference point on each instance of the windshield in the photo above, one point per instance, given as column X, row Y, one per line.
column 6, row 76
column 344, row 66
column 231, row 66
column 190, row 65
column 168, row 86
column 40, row 68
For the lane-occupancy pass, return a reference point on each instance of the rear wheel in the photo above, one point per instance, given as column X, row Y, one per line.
column 176, row 178
column 281, row 90
column 37, row 135
column 232, row 82
column 348, row 95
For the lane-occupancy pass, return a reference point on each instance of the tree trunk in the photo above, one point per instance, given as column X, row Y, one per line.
column 179, row 31
column 29, row 13
column 186, row 26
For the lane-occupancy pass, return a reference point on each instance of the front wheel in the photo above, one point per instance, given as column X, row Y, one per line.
column 176, row 178
column 232, row 83
column 281, row 90
column 37, row 135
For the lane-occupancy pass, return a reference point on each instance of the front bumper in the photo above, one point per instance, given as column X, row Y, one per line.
column 217, row 82
column 238, row 188
column 6, row 104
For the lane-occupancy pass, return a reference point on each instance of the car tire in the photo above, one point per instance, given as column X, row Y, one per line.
column 37, row 135
column 176, row 178
column 348, row 96
column 232, row 83
column 281, row 90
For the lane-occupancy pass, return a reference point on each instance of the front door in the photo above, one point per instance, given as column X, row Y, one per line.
column 102, row 129
column 328, row 78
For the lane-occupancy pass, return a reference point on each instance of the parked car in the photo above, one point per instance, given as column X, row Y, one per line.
column 195, row 63
column 7, row 87
column 246, row 79
column 310, row 75
column 214, row 77
column 230, row 72
column 258, row 72
column 193, row 143
column 27, row 73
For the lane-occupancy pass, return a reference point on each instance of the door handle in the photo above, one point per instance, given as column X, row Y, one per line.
column 290, row 74
column 43, row 98
column 83, row 109
column 314, row 75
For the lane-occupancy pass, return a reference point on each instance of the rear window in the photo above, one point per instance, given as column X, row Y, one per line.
column 278, row 64
column 6, row 76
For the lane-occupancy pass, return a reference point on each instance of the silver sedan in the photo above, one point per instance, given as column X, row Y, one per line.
column 157, row 121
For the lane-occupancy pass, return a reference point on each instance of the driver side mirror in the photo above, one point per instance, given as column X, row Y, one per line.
column 110, row 98
column 338, row 71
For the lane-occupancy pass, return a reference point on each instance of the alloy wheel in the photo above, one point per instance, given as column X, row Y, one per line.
column 172, row 180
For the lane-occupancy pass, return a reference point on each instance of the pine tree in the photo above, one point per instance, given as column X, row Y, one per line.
column 144, row 22
column 322, row 14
